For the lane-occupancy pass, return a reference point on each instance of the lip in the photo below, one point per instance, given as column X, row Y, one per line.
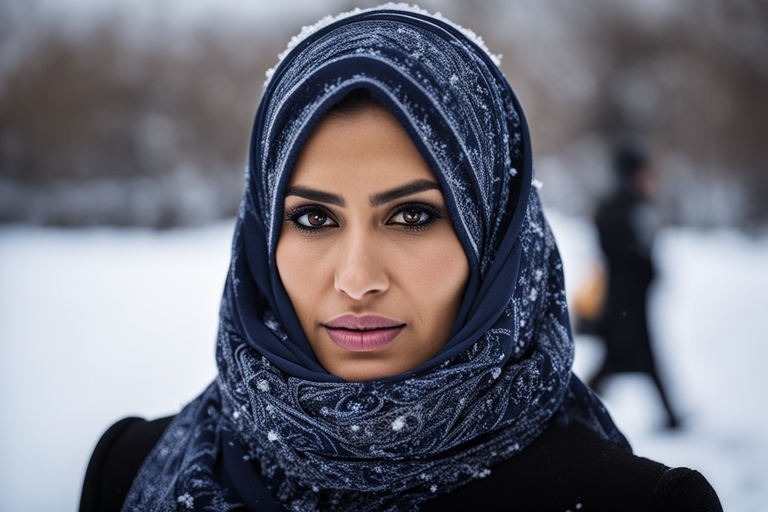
column 363, row 333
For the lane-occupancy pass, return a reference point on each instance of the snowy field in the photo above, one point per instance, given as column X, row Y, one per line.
column 99, row 324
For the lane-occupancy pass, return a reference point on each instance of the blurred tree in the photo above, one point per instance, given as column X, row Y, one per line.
column 97, row 130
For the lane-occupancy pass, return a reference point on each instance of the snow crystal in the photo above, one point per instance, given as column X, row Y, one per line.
column 495, row 372
column 355, row 428
column 272, row 436
column 537, row 184
column 512, row 172
column 534, row 294
column 236, row 414
column 263, row 385
column 433, row 488
column 398, row 424
column 308, row 30
column 186, row 500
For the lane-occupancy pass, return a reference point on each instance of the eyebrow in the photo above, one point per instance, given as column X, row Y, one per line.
column 406, row 190
column 315, row 195
column 376, row 199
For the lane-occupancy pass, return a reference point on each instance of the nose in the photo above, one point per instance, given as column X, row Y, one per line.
column 360, row 272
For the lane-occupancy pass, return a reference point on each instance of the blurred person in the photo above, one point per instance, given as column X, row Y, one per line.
column 627, row 224
column 393, row 333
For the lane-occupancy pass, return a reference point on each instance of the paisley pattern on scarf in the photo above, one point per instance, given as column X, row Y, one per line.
column 312, row 440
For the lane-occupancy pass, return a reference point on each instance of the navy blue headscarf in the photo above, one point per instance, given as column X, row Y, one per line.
column 277, row 430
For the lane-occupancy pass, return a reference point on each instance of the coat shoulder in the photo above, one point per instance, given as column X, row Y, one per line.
column 116, row 460
column 573, row 468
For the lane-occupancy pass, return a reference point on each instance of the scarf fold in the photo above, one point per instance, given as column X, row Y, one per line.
column 311, row 441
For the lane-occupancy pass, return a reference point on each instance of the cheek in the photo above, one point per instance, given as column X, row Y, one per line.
column 297, row 271
column 437, row 276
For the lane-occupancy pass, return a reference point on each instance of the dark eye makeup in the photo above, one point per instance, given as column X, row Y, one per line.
column 415, row 216
column 314, row 218
column 310, row 218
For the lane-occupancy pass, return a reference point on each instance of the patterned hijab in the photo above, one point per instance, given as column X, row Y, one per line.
column 275, row 431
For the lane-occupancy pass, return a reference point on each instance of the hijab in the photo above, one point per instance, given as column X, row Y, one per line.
column 275, row 431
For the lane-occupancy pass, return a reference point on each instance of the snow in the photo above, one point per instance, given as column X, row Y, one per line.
column 308, row 30
column 711, row 338
column 99, row 324
column 96, row 325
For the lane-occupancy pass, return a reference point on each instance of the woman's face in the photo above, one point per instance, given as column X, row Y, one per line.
column 367, row 253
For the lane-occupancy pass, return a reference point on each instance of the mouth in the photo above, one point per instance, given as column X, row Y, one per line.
column 363, row 333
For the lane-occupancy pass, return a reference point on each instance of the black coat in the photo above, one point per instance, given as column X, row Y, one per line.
column 566, row 468
column 624, row 323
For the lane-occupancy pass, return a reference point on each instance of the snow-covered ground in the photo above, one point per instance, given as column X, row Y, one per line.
column 709, row 323
column 98, row 324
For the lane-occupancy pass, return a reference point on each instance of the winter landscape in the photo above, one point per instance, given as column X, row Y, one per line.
column 126, row 124
column 99, row 324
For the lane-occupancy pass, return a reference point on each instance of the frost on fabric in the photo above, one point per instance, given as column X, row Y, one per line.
column 467, row 156
column 186, row 500
column 308, row 30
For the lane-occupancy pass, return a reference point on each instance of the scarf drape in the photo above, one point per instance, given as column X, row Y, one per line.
column 275, row 430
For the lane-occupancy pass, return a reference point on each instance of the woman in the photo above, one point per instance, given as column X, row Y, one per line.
column 394, row 333
column 626, row 225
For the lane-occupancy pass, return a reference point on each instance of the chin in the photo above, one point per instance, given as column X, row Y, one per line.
column 362, row 370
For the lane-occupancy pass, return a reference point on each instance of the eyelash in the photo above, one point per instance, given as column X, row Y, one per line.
column 432, row 212
column 297, row 213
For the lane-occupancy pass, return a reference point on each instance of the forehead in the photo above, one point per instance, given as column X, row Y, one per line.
column 366, row 150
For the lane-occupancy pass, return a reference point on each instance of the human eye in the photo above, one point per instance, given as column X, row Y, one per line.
column 415, row 215
column 310, row 218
